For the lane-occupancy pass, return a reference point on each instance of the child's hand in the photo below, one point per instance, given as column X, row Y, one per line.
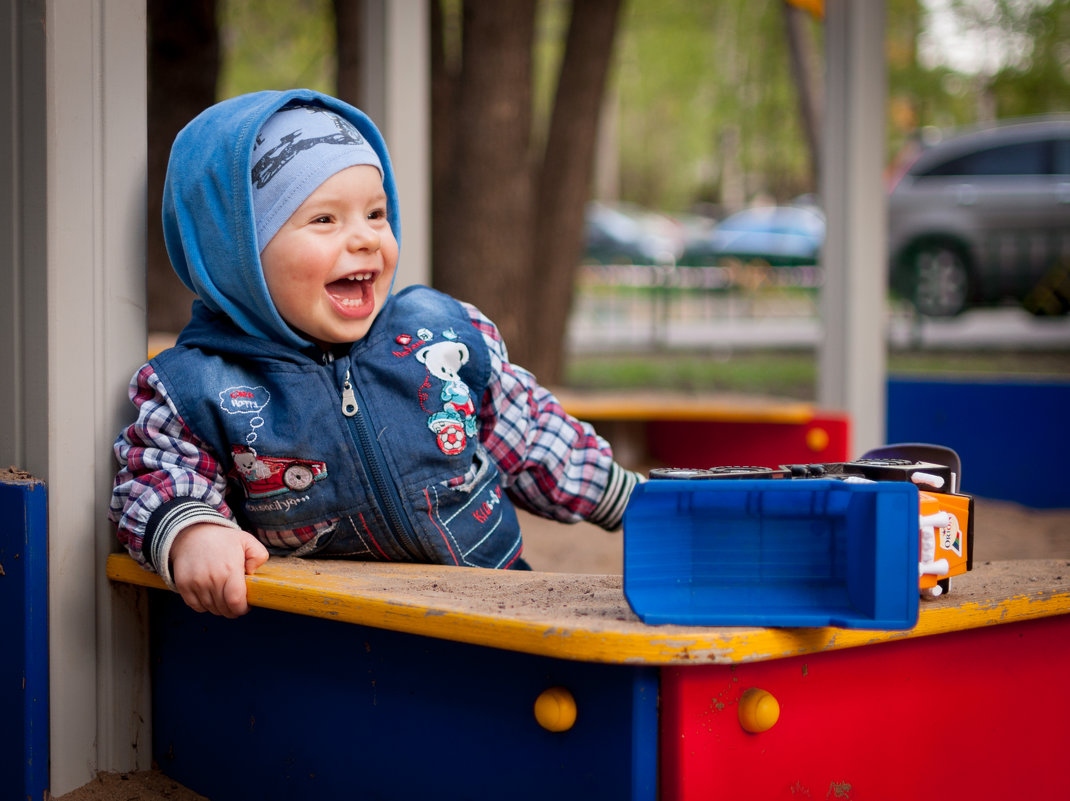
column 209, row 563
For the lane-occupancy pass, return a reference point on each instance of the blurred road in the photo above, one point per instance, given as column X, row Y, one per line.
column 600, row 325
column 1002, row 327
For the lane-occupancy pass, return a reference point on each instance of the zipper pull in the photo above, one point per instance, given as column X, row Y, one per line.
column 349, row 399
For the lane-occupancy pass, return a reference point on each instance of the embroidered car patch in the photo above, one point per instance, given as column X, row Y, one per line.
column 264, row 476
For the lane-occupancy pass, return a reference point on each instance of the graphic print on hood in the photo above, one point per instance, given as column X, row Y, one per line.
column 208, row 221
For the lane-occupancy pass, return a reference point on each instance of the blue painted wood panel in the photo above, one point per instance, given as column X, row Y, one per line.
column 23, row 638
column 280, row 706
column 1012, row 435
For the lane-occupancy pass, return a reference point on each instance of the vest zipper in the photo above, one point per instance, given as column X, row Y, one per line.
column 386, row 494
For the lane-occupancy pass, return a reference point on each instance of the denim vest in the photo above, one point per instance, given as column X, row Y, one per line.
column 379, row 447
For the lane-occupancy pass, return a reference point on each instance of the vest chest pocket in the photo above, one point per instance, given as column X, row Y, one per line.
column 468, row 520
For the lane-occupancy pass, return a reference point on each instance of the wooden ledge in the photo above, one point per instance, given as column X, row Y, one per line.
column 643, row 406
column 586, row 618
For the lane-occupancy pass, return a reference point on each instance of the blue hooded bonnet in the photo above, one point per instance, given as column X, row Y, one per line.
column 208, row 221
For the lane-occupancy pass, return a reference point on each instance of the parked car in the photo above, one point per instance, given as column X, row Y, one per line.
column 780, row 236
column 982, row 217
column 626, row 234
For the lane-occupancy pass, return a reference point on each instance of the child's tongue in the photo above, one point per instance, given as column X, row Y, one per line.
column 347, row 290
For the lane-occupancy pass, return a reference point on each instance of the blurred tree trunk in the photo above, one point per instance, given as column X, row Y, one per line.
column 807, row 75
column 508, row 221
column 184, row 57
column 348, row 28
column 564, row 183
column 482, row 201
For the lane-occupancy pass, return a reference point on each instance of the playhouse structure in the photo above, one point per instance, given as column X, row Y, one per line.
column 77, row 694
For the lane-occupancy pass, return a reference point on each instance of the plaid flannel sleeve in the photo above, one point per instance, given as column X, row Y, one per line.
column 167, row 478
column 552, row 464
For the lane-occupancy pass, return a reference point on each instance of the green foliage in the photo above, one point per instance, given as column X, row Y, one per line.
column 704, row 93
column 270, row 44
column 693, row 76
column 1020, row 62
column 1042, row 82
column 696, row 82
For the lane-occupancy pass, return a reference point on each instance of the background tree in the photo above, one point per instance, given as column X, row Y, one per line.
column 348, row 27
column 708, row 105
column 1039, row 79
column 808, row 78
column 508, row 207
column 482, row 190
column 184, row 59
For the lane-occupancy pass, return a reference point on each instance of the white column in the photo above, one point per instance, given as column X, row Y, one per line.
column 72, row 178
column 397, row 95
column 851, row 365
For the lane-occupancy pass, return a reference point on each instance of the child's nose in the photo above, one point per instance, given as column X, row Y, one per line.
column 363, row 237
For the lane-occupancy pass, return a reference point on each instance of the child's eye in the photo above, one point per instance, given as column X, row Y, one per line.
column 377, row 214
column 323, row 219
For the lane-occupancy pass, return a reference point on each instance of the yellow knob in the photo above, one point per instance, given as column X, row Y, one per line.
column 555, row 709
column 758, row 710
column 817, row 439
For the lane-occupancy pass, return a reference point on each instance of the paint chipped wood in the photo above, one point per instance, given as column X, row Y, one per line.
column 586, row 617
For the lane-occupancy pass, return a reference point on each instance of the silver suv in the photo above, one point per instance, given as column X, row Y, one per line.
column 985, row 216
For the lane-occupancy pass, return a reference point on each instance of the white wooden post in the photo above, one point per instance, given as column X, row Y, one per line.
column 397, row 95
column 852, row 358
column 72, row 185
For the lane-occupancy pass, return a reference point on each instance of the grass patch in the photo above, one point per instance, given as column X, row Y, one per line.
column 787, row 374
column 1054, row 363
column 784, row 374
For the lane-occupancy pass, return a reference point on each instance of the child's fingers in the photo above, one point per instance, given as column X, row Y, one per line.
column 219, row 595
column 255, row 554
column 232, row 596
column 201, row 599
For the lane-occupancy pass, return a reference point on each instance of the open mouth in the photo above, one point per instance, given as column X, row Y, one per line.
column 353, row 291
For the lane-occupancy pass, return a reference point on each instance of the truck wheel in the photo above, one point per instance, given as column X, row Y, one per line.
column 936, row 278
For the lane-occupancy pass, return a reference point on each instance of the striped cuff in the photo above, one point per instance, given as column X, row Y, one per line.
column 610, row 510
column 167, row 522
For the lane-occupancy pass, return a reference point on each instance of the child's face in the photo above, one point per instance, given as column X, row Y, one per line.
column 329, row 267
